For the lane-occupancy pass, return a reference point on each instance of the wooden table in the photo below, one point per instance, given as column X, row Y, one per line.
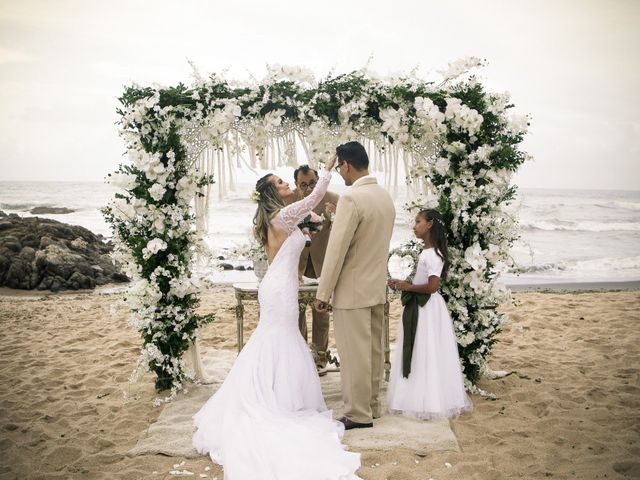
column 306, row 296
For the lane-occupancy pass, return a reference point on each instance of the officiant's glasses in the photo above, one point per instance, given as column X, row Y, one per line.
column 311, row 185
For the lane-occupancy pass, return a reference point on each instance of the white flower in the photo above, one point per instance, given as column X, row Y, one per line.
column 186, row 189
column 273, row 119
column 517, row 124
column 460, row 66
column 123, row 180
column 154, row 246
column 474, row 257
column 181, row 287
column 462, row 117
column 392, row 124
column 442, row 166
column 123, row 209
column 292, row 73
column 157, row 192
column 254, row 196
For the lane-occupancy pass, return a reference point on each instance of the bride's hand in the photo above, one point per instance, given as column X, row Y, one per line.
column 331, row 163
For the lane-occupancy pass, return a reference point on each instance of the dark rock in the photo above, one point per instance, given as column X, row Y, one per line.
column 240, row 268
column 119, row 277
column 28, row 254
column 45, row 242
column 225, row 266
column 18, row 274
column 50, row 210
column 2, row 214
column 45, row 284
column 78, row 280
column 12, row 243
column 56, row 284
column 249, row 268
column 30, row 240
column 221, row 257
column 47, row 254
column 5, row 262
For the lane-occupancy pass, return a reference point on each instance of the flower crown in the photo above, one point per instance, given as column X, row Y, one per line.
column 254, row 195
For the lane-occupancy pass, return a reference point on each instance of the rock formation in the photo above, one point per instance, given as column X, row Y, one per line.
column 43, row 254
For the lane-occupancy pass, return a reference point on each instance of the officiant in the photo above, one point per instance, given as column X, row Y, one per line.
column 311, row 260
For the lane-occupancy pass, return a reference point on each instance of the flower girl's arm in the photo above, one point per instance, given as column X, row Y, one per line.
column 430, row 287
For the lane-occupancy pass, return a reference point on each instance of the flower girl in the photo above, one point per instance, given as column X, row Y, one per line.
column 426, row 381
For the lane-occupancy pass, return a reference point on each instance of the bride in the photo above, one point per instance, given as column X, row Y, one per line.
column 269, row 420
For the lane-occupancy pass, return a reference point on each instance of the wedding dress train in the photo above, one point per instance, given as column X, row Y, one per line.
column 268, row 420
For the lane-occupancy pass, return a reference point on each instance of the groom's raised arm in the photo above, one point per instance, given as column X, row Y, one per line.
column 344, row 226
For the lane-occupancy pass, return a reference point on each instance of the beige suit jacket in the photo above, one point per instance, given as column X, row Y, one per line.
column 355, row 265
column 319, row 241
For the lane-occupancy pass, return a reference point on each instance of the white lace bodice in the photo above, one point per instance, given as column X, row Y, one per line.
column 279, row 287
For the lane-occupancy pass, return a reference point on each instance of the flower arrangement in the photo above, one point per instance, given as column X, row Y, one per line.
column 461, row 147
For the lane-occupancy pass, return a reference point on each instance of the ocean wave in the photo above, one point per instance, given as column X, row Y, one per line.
column 619, row 205
column 568, row 226
column 613, row 265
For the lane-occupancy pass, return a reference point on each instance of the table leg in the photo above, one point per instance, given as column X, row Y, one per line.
column 240, row 321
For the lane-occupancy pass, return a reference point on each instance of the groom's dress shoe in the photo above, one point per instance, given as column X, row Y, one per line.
column 349, row 424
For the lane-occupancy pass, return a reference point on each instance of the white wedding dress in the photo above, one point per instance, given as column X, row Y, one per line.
column 268, row 420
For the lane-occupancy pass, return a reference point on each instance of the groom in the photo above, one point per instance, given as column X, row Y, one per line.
column 354, row 272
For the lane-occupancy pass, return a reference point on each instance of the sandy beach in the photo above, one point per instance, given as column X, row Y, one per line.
column 570, row 410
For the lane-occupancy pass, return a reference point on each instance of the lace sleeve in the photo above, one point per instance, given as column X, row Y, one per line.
column 291, row 215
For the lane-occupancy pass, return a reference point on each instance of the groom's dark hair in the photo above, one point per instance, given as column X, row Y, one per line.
column 354, row 154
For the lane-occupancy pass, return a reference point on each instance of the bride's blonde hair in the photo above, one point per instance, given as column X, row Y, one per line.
column 269, row 203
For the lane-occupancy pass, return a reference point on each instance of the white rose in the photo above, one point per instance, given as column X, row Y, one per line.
column 157, row 192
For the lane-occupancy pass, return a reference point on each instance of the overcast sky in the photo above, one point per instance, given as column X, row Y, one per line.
column 572, row 65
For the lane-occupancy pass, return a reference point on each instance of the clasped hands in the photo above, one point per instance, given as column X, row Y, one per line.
column 320, row 306
column 398, row 284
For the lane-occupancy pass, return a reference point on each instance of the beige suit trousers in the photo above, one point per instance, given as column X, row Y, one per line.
column 359, row 340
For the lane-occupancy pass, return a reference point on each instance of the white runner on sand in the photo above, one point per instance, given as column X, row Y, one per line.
column 171, row 433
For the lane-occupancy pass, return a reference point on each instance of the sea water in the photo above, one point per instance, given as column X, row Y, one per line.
column 566, row 235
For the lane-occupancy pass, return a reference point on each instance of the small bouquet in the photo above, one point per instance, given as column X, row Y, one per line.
column 310, row 223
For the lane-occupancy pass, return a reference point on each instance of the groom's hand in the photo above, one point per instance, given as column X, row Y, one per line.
column 320, row 306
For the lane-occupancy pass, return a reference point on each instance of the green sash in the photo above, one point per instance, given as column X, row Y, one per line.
column 410, row 301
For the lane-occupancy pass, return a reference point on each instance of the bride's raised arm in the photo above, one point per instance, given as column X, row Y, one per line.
column 293, row 214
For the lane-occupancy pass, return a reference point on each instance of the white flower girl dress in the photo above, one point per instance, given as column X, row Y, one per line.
column 435, row 386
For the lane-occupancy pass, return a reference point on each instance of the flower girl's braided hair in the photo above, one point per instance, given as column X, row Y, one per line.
column 269, row 203
column 438, row 235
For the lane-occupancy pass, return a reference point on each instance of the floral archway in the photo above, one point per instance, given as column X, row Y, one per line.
column 457, row 144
